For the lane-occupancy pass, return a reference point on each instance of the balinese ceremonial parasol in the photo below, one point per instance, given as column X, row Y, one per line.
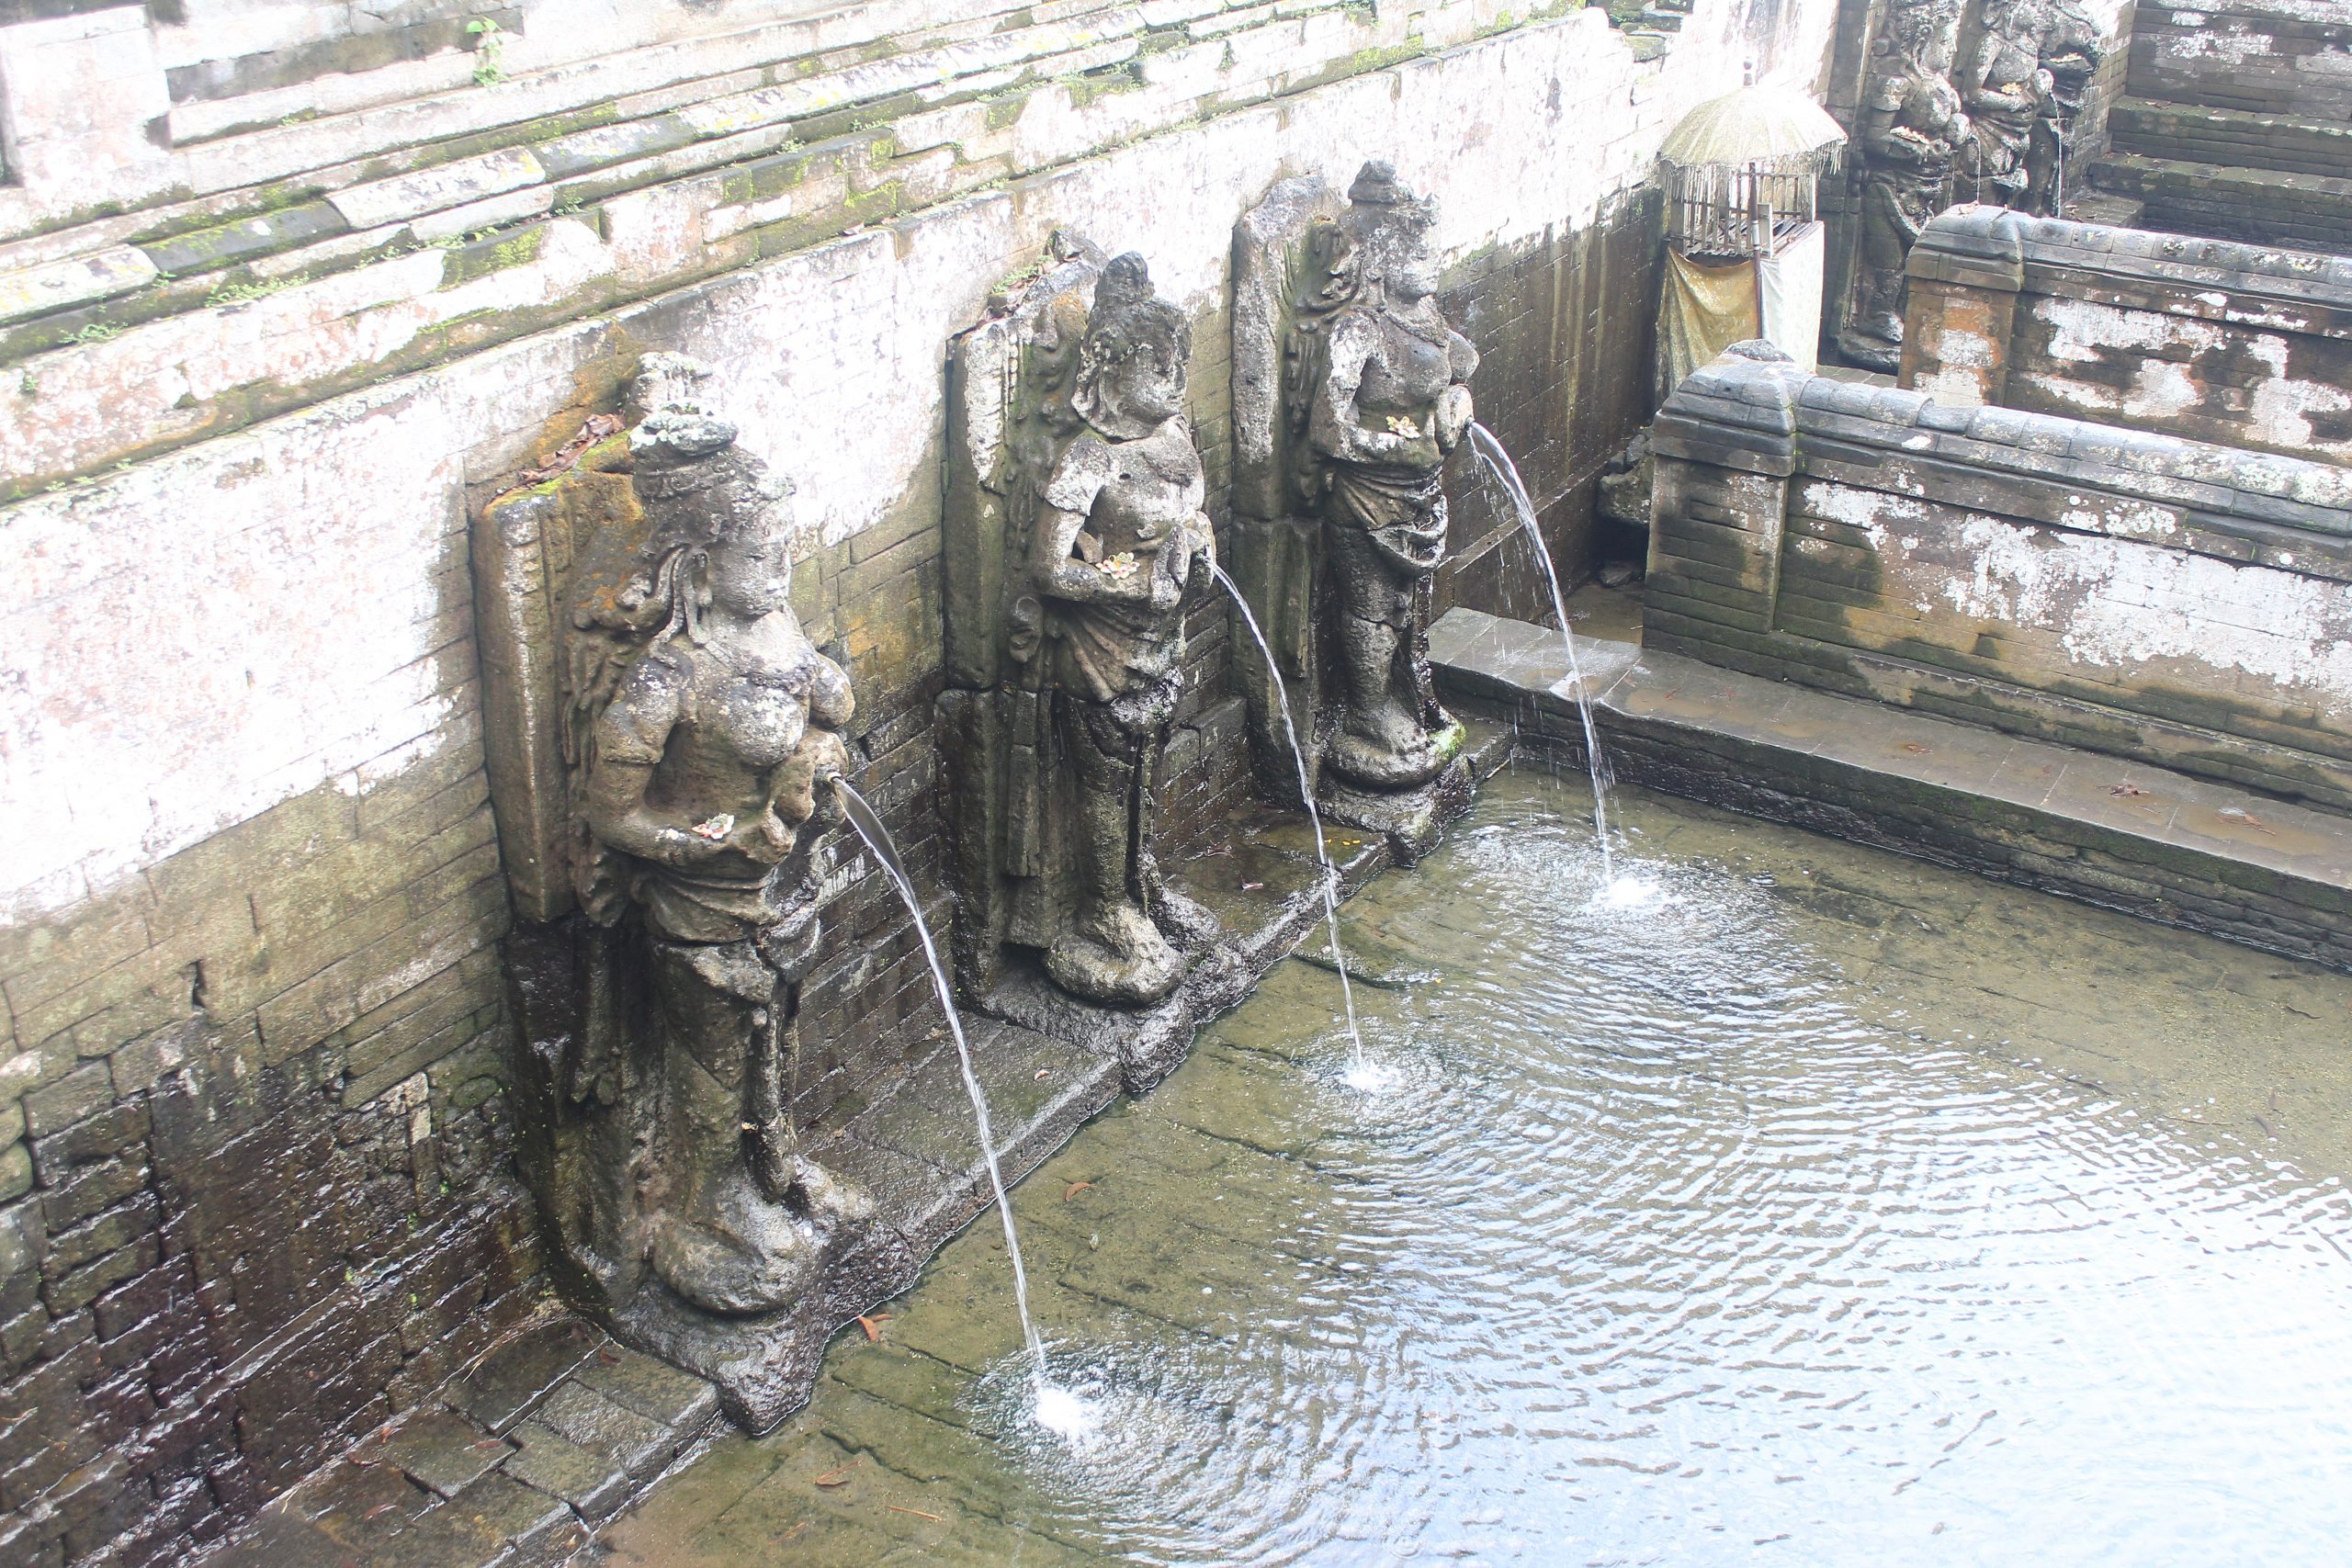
column 1771, row 131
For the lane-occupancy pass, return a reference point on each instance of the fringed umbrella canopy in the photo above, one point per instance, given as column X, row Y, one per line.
column 1770, row 131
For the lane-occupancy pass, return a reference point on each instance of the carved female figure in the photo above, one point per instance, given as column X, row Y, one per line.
column 1119, row 527
column 2072, row 47
column 700, row 796
column 2007, row 91
column 1391, row 399
column 1912, row 127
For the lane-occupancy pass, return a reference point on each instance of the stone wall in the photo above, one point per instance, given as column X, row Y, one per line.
column 254, row 1193
column 1564, row 329
column 2238, row 123
column 2204, row 339
column 2285, row 58
column 2136, row 594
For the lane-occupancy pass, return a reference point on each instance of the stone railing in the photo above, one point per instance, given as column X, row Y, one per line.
column 2138, row 594
column 2203, row 339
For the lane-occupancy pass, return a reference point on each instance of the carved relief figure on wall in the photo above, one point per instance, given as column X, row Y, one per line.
column 1119, row 533
column 2006, row 90
column 1379, row 383
column 700, row 803
column 1913, row 127
column 2071, row 50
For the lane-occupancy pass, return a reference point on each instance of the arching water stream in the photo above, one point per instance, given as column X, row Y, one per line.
column 1053, row 1407
column 1362, row 1071
column 1496, row 462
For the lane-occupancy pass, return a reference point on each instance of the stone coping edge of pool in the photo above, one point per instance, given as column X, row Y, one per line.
column 2264, row 873
column 516, row 1461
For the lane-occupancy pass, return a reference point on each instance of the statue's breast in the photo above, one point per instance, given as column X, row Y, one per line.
column 1152, row 485
column 750, row 713
column 763, row 723
column 1409, row 373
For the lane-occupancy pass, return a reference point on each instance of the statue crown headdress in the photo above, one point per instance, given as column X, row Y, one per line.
column 1379, row 200
column 696, row 485
column 1127, row 312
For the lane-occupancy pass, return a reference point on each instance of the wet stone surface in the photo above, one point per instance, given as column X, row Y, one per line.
column 1801, row 1205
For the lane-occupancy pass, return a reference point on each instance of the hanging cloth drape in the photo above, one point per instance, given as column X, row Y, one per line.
column 1702, row 310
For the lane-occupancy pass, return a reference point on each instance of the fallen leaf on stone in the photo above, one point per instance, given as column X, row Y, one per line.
column 839, row 1477
column 2127, row 789
column 1074, row 1189
column 872, row 1322
column 2235, row 813
column 1915, row 747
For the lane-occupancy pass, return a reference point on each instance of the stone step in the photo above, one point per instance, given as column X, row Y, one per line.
column 2123, row 834
column 2233, row 138
column 514, row 1463
column 2260, row 206
column 382, row 267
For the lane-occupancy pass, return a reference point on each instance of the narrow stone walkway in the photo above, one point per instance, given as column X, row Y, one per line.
column 545, row 1437
column 2127, row 834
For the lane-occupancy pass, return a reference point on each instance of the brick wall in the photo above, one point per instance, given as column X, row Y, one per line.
column 2283, row 58
column 2130, row 594
column 252, row 1132
column 1565, row 328
column 2205, row 339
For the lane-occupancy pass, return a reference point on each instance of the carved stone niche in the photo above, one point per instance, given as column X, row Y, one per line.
column 1074, row 538
column 1349, row 393
column 658, row 732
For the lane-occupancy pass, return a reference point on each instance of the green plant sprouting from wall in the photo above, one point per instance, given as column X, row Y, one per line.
column 490, row 50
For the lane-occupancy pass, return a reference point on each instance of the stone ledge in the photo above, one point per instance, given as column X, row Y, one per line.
column 314, row 300
column 2122, row 834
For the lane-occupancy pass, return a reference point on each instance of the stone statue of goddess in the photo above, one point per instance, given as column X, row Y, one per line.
column 1119, row 531
column 702, row 800
column 1391, row 399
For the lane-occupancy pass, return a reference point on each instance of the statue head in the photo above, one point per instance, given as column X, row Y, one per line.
column 1922, row 38
column 1390, row 227
column 1132, row 361
column 720, row 521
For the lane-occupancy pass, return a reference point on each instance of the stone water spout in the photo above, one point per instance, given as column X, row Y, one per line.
column 1076, row 538
column 664, row 787
column 1350, row 392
